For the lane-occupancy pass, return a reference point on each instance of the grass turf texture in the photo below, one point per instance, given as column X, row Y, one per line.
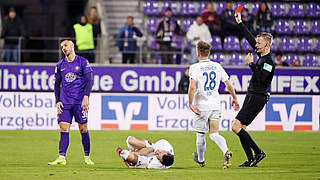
column 24, row 155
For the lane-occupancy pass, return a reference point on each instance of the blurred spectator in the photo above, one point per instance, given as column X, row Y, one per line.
column 84, row 33
column 197, row 31
column 11, row 31
column 279, row 60
column 211, row 19
column 296, row 63
column 247, row 20
column 167, row 29
column 94, row 19
column 127, row 41
column 184, row 82
column 264, row 18
column 228, row 23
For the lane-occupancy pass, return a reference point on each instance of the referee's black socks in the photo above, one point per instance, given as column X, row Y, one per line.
column 246, row 141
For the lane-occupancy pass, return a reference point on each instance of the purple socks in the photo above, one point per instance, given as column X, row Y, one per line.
column 86, row 143
column 63, row 143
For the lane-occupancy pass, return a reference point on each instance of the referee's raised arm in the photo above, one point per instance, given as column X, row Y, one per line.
column 250, row 38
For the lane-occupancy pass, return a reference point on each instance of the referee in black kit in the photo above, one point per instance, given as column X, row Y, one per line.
column 257, row 95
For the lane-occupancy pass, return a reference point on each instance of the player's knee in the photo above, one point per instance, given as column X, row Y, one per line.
column 132, row 157
column 83, row 129
column 129, row 139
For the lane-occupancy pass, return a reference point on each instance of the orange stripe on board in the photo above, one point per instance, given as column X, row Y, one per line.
column 302, row 127
column 109, row 126
column 139, row 127
column 274, row 127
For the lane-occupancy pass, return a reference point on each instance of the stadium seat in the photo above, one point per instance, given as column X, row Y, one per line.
column 245, row 46
column 255, row 8
column 152, row 24
column 219, row 58
column 296, row 10
column 318, row 45
column 172, row 4
column 300, row 27
column 220, row 7
column 231, row 43
column 150, row 8
column 202, row 6
column 274, row 45
column 187, row 8
column 177, row 42
column 286, row 44
column 282, row 27
column 153, row 43
column 278, row 9
column 216, row 43
column 313, row 10
column 310, row 60
column 305, row 44
column 315, row 27
column 187, row 23
column 236, row 59
column 188, row 46
column 290, row 58
column 185, row 59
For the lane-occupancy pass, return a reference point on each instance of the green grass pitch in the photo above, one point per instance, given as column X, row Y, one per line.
column 24, row 155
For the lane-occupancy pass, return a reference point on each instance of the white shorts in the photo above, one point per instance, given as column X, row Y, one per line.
column 142, row 160
column 201, row 122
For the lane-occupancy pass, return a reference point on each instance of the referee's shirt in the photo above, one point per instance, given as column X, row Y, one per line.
column 262, row 70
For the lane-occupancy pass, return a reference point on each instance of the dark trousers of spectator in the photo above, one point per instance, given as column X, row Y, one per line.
column 11, row 53
column 128, row 57
column 166, row 55
column 88, row 54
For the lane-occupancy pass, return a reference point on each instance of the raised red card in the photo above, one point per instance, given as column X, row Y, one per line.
column 239, row 9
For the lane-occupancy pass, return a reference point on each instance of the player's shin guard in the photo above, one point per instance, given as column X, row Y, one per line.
column 201, row 146
column 220, row 141
column 63, row 143
column 86, row 143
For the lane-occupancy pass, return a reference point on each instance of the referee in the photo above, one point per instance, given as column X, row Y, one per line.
column 257, row 95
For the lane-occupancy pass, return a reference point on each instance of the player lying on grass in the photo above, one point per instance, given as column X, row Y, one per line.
column 144, row 154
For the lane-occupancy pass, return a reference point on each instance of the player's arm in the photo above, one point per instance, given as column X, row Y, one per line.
column 233, row 94
column 191, row 92
column 250, row 38
column 57, row 83
column 88, row 79
column 143, row 166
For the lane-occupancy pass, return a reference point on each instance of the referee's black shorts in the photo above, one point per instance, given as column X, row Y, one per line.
column 252, row 105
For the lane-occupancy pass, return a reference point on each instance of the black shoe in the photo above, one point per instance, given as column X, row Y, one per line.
column 257, row 158
column 195, row 158
column 247, row 164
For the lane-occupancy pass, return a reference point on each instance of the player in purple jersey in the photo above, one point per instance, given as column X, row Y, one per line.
column 73, row 84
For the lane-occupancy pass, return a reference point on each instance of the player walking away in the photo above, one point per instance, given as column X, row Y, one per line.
column 144, row 154
column 73, row 83
column 204, row 101
column 257, row 95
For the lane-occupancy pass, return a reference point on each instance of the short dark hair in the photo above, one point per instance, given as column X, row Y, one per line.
column 278, row 53
column 130, row 17
column 167, row 159
column 168, row 9
column 65, row 39
column 203, row 48
column 93, row 7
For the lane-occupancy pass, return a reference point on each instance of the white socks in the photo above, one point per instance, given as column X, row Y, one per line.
column 220, row 141
column 201, row 146
column 124, row 154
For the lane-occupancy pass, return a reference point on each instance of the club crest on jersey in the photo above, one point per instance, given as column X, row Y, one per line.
column 77, row 68
column 70, row 77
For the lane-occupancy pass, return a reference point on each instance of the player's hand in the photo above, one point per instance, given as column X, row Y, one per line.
column 158, row 46
column 249, row 58
column 238, row 17
column 59, row 107
column 85, row 103
column 194, row 109
column 236, row 105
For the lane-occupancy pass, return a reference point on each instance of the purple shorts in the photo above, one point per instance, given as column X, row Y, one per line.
column 70, row 111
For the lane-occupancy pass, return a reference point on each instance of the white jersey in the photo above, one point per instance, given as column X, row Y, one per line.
column 153, row 161
column 207, row 75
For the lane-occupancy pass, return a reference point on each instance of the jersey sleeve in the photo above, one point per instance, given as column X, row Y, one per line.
column 154, row 163
column 164, row 145
column 224, row 75
column 86, row 67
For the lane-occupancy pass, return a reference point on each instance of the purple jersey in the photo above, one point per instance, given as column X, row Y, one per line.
column 72, row 79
